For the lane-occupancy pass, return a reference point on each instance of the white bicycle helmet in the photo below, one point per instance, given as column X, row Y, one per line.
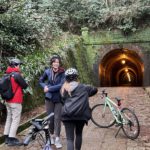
column 15, row 62
column 71, row 74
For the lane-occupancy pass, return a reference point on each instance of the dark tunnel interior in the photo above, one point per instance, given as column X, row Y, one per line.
column 121, row 68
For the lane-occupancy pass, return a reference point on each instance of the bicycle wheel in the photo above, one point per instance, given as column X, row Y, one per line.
column 131, row 127
column 102, row 119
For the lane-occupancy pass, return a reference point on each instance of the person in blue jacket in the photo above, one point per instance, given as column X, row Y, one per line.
column 51, row 81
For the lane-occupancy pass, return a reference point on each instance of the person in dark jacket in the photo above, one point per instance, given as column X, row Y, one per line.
column 51, row 82
column 76, row 110
column 14, row 105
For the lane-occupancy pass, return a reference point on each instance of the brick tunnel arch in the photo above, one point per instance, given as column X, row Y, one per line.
column 121, row 67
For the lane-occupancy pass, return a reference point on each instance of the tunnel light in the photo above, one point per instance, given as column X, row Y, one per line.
column 128, row 75
column 126, row 70
column 123, row 61
column 142, row 68
column 124, row 56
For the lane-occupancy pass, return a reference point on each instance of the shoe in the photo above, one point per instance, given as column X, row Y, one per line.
column 58, row 143
column 52, row 141
column 6, row 139
column 14, row 142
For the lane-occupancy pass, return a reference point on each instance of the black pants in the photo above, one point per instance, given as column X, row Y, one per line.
column 74, row 133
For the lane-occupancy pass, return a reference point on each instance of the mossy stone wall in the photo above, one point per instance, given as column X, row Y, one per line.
column 98, row 44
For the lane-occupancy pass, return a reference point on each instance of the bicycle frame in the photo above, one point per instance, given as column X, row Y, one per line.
column 110, row 104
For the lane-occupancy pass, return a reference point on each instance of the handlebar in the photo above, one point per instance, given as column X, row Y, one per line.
column 39, row 123
column 48, row 117
column 104, row 93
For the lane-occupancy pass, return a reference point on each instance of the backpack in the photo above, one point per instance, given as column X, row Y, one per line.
column 76, row 105
column 6, row 91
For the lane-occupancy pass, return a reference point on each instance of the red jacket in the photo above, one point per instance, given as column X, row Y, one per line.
column 17, row 85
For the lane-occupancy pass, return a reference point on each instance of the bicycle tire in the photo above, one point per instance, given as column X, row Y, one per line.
column 129, row 115
column 102, row 120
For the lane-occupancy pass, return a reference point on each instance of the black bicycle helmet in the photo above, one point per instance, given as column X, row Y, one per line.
column 54, row 57
column 15, row 62
column 71, row 74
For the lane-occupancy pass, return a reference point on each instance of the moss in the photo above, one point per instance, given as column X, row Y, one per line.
column 116, row 36
column 145, row 47
column 77, row 57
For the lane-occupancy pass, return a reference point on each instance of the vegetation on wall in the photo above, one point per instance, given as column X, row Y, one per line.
column 127, row 15
column 77, row 57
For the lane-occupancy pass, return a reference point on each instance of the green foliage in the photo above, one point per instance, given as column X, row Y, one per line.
column 17, row 35
column 25, row 28
column 96, row 14
column 122, row 14
column 27, row 25
column 70, row 14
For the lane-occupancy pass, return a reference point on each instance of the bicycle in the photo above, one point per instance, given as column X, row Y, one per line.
column 110, row 113
column 39, row 126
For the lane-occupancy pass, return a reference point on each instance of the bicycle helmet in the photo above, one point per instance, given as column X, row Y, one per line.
column 15, row 62
column 71, row 74
column 54, row 57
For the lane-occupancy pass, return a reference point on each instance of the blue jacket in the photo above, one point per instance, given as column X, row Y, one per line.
column 54, row 83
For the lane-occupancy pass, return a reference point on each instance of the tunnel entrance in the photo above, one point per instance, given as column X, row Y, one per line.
column 121, row 68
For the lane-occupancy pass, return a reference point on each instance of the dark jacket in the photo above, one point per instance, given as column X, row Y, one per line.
column 18, row 83
column 54, row 83
column 79, row 98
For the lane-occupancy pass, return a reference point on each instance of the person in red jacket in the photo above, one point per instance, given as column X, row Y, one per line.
column 14, row 105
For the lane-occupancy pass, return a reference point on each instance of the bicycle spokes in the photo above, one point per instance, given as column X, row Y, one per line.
column 130, row 126
column 102, row 116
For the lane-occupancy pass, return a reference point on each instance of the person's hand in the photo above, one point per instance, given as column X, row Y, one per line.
column 45, row 89
column 21, row 74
